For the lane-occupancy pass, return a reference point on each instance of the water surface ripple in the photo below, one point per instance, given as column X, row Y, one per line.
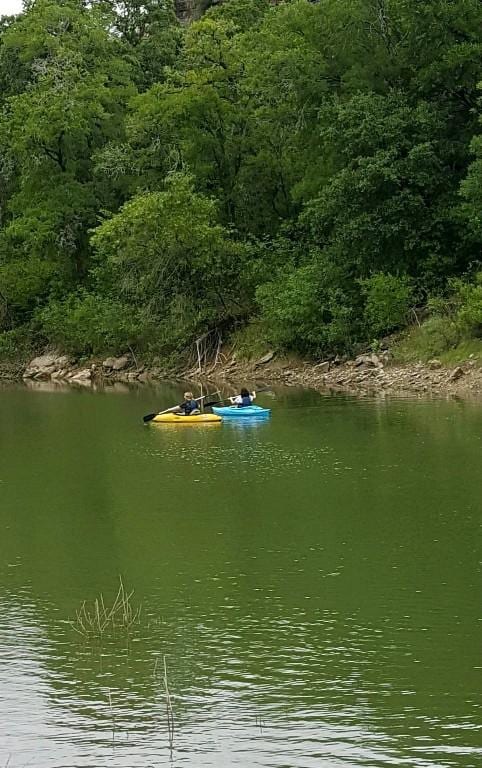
column 313, row 583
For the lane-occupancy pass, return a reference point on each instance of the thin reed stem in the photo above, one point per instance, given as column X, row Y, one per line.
column 111, row 714
column 169, row 710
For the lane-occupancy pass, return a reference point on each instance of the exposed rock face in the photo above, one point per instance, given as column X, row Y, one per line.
column 456, row 374
column 58, row 368
column 323, row 367
column 80, row 377
column 372, row 361
column 189, row 10
column 116, row 363
column 44, row 366
column 265, row 359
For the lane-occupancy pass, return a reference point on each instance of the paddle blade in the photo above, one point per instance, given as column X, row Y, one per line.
column 149, row 417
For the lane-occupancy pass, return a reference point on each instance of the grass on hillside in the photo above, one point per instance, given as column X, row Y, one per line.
column 249, row 342
column 471, row 348
column 438, row 338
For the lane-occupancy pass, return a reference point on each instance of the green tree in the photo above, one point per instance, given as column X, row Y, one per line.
column 152, row 35
column 306, row 164
column 471, row 189
column 198, row 118
column 388, row 299
column 308, row 306
column 170, row 257
column 50, row 131
column 388, row 204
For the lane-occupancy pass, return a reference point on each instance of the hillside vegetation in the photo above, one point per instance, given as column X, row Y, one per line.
column 308, row 172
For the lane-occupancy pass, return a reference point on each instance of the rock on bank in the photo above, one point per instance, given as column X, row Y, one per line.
column 367, row 373
column 54, row 366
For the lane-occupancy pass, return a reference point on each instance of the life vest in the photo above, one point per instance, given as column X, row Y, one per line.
column 189, row 406
column 245, row 401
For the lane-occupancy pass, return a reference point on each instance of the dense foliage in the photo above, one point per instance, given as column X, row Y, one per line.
column 311, row 169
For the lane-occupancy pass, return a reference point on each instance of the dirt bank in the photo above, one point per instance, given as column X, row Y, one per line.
column 368, row 373
column 365, row 374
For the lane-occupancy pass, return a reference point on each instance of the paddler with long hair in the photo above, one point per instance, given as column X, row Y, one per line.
column 244, row 399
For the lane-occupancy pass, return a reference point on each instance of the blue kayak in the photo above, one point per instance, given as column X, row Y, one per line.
column 242, row 413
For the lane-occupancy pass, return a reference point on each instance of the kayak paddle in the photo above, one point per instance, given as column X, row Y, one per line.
column 216, row 402
column 149, row 417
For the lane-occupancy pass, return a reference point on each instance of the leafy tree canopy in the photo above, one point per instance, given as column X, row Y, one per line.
column 314, row 167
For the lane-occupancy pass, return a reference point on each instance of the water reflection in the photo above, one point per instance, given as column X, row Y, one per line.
column 253, row 423
column 314, row 583
column 267, row 695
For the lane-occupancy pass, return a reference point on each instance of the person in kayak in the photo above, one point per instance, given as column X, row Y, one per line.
column 190, row 406
column 244, row 399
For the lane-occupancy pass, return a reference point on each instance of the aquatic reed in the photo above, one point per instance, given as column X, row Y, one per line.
column 169, row 710
column 112, row 715
column 259, row 723
column 96, row 621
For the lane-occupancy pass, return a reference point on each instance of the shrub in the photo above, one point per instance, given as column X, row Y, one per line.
column 169, row 255
column 463, row 305
column 249, row 342
column 388, row 300
column 436, row 336
column 469, row 314
column 306, row 309
column 16, row 344
column 24, row 283
column 86, row 322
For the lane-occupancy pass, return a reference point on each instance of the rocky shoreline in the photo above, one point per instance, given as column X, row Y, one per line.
column 366, row 374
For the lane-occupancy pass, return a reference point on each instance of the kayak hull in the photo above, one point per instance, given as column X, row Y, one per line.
column 176, row 418
column 249, row 411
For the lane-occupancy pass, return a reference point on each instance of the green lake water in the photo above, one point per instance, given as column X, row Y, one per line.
column 314, row 582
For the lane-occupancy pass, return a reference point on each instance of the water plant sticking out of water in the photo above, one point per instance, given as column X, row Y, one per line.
column 98, row 620
column 112, row 715
column 169, row 710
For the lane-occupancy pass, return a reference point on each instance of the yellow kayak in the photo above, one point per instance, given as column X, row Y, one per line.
column 175, row 418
